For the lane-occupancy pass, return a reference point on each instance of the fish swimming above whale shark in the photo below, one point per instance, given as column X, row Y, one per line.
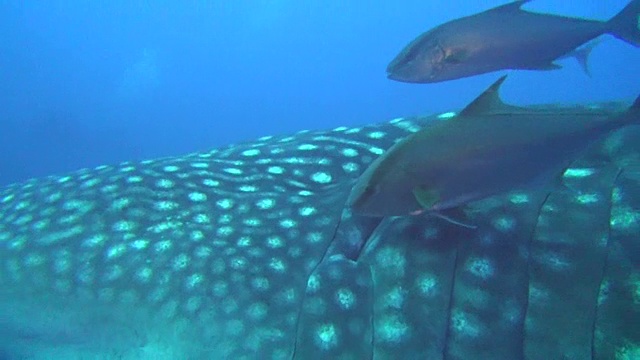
column 235, row 254
column 505, row 37
column 487, row 149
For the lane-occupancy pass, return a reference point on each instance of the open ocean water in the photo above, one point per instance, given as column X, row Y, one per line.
column 160, row 200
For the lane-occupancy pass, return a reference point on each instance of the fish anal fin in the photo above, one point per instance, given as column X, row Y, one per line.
column 582, row 57
column 426, row 198
column 489, row 101
column 582, row 54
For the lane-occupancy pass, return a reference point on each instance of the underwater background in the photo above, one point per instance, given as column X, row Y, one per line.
column 206, row 225
column 90, row 83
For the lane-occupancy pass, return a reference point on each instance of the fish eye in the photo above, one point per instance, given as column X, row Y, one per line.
column 364, row 196
column 370, row 190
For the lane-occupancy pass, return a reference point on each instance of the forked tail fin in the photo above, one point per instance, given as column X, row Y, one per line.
column 626, row 25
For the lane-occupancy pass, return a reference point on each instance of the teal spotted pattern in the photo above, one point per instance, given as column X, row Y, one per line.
column 231, row 254
column 223, row 241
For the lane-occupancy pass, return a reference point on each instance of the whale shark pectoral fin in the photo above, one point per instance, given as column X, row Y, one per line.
column 426, row 198
column 351, row 235
column 345, row 290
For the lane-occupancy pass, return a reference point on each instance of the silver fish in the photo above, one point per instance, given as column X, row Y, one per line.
column 505, row 37
column 487, row 149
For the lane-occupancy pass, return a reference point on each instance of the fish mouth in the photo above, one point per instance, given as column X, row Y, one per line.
column 393, row 65
column 400, row 78
column 402, row 73
column 392, row 76
column 394, row 68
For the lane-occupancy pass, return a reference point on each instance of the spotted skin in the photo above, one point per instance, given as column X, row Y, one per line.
column 243, row 253
column 220, row 244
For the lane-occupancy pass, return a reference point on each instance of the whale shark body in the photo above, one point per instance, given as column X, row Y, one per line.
column 245, row 252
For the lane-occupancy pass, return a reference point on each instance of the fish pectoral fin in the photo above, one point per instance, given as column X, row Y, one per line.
column 426, row 198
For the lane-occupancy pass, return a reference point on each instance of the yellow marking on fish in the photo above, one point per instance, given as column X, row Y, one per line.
column 426, row 198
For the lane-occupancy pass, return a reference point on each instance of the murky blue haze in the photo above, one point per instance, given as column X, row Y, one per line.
column 246, row 251
column 84, row 84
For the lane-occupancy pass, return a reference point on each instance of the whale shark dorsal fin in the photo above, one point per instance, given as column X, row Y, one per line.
column 489, row 101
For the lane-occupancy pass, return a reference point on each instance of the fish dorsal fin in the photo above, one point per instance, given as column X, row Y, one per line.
column 510, row 7
column 489, row 101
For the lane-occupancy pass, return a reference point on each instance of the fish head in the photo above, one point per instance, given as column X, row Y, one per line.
column 386, row 187
column 428, row 59
column 417, row 63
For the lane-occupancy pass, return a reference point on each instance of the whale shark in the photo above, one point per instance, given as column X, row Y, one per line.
column 247, row 252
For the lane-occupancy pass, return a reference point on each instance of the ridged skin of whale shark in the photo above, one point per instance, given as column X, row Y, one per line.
column 241, row 253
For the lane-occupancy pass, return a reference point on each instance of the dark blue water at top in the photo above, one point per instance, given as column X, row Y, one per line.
column 84, row 84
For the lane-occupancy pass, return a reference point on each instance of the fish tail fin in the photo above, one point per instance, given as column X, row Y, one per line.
column 626, row 25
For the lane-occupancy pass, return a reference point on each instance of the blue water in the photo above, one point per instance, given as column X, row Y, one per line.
column 84, row 84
